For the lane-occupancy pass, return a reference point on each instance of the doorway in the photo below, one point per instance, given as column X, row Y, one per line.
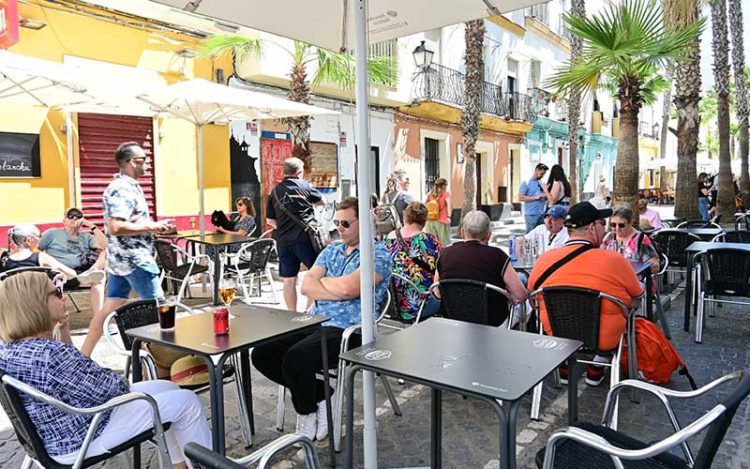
column 431, row 162
column 515, row 174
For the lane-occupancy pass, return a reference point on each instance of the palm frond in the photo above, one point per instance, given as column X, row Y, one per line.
column 220, row 44
column 339, row 69
column 653, row 87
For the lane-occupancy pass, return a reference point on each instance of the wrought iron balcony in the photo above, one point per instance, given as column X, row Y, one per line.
column 647, row 130
column 548, row 105
column 445, row 85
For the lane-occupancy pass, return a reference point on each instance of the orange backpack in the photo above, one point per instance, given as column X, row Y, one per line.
column 433, row 209
column 656, row 356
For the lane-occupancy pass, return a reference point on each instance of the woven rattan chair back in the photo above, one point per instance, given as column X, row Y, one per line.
column 574, row 314
column 255, row 257
column 135, row 314
column 727, row 272
column 674, row 243
column 737, row 237
column 167, row 256
column 465, row 300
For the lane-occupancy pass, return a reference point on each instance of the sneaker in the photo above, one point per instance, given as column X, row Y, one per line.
column 322, row 414
column 594, row 375
column 90, row 276
column 563, row 374
column 307, row 425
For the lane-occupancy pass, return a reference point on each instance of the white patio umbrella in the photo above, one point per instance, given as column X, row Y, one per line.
column 203, row 102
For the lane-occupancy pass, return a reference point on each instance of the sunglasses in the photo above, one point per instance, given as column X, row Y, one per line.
column 139, row 160
column 618, row 225
column 346, row 224
column 74, row 216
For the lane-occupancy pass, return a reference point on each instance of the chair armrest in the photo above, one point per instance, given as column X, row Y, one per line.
column 600, row 444
column 654, row 389
column 265, row 454
column 411, row 284
column 109, row 337
column 346, row 335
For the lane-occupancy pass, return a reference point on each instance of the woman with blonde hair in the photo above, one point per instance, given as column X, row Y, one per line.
column 30, row 305
column 439, row 212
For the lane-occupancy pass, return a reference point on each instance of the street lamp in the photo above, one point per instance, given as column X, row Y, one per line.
column 656, row 128
column 422, row 56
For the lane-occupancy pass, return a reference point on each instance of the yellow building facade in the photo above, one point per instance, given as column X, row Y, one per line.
column 72, row 32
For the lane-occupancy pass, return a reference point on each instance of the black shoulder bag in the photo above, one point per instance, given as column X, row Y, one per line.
column 546, row 274
column 424, row 265
column 316, row 239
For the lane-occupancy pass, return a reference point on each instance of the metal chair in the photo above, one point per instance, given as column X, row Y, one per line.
column 742, row 222
column 673, row 243
column 168, row 253
column 408, row 286
column 340, row 376
column 205, row 458
column 68, row 291
column 143, row 313
column 699, row 224
column 722, row 272
column 574, row 313
column 251, row 262
column 594, row 446
column 657, row 279
column 732, row 237
column 33, row 445
column 469, row 300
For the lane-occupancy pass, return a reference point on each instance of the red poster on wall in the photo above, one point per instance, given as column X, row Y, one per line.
column 8, row 23
column 273, row 152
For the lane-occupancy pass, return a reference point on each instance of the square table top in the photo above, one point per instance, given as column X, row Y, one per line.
column 219, row 239
column 470, row 358
column 702, row 231
column 699, row 246
column 251, row 326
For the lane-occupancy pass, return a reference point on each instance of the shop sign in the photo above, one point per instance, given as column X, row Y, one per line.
column 8, row 23
column 19, row 155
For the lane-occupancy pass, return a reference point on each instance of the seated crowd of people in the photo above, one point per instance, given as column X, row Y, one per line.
column 32, row 304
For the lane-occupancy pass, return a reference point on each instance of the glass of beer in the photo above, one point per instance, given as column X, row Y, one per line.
column 166, row 308
column 227, row 291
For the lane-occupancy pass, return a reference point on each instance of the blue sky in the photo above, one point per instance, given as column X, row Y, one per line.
column 706, row 55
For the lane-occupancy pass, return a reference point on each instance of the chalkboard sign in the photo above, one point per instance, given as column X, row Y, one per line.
column 19, row 155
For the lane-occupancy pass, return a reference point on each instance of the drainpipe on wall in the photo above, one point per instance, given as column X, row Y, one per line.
column 71, row 161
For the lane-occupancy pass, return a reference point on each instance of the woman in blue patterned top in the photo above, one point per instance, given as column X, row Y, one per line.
column 30, row 306
column 244, row 225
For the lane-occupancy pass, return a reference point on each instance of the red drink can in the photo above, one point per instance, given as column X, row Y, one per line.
column 221, row 321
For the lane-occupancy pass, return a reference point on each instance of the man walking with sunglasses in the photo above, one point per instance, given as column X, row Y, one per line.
column 290, row 210
column 130, row 242
column 80, row 245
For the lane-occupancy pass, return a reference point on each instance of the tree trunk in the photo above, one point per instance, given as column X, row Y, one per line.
column 577, row 8
column 740, row 86
column 686, row 99
column 626, row 167
column 299, row 127
column 473, row 82
column 720, row 46
column 666, row 106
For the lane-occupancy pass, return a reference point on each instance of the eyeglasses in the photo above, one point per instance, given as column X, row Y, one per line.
column 74, row 216
column 618, row 225
column 346, row 224
column 140, row 160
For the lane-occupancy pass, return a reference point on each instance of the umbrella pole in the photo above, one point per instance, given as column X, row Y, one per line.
column 366, row 238
column 201, row 202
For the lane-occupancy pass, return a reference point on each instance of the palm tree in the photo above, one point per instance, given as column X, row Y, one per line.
column 740, row 86
column 624, row 46
column 334, row 68
column 577, row 9
column 665, row 113
column 687, row 88
column 720, row 46
column 473, row 83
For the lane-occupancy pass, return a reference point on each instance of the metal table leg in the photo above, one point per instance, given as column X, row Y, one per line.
column 349, row 455
column 688, row 292
column 572, row 390
column 512, row 419
column 507, row 456
column 247, row 383
column 137, row 376
column 436, row 429
column 327, row 391
column 216, row 391
column 217, row 274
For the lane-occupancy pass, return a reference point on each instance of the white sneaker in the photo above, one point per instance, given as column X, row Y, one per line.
column 322, row 414
column 307, row 425
column 90, row 276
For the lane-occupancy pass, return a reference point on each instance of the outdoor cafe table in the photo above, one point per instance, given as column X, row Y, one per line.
column 250, row 327
column 705, row 234
column 691, row 251
column 488, row 363
column 218, row 241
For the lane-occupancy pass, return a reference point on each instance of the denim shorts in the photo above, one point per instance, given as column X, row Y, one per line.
column 144, row 280
column 292, row 255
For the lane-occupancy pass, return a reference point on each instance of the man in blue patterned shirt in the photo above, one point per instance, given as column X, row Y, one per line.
column 130, row 242
column 333, row 282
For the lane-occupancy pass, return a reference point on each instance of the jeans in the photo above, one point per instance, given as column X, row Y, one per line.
column 532, row 221
column 703, row 207
column 144, row 280
column 293, row 362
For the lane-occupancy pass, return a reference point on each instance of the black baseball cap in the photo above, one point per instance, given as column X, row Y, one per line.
column 542, row 166
column 73, row 211
column 584, row 213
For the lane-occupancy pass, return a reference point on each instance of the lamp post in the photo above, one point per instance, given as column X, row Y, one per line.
column 423, row 60
column 655, row 130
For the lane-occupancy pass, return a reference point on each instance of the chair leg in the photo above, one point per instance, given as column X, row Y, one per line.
column 699, row 318
column 280, row 408
column 75, row 304
column 240, row 392
column 536, row 401
column 270, row 282
column 126, row 371
column 556, row 379
column 181, row 291
column 661, row 318
column 27, row 463
column 632, row 359
column 391, row 396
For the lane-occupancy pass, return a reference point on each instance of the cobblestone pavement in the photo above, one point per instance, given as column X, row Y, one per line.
column 470, row 427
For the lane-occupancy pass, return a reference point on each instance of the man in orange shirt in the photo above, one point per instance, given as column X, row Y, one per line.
column 597, row 269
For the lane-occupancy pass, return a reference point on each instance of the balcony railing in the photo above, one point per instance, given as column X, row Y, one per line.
column 547, row 105
column 442, row 84
column 647, row 130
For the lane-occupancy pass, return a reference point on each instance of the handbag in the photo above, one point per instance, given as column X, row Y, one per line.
column 312, row 230
column 220, row 219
